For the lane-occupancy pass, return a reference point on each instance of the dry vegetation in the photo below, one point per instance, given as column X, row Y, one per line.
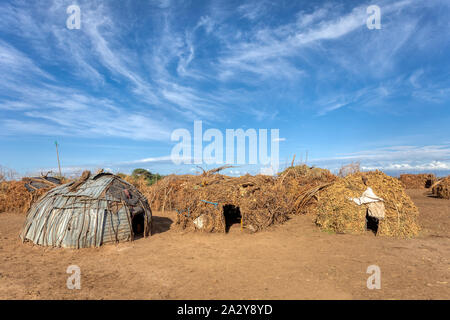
column 337, row 213
column 261, row 201
column 417, row 181
column 442, row 188
column 16, row 198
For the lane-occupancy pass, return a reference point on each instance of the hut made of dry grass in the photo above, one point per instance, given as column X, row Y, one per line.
column 301, row 183
column 212, row 202
column 18, row 196
column 336, row 212
column 94, row 210
column 442, row 188
column 417, row 181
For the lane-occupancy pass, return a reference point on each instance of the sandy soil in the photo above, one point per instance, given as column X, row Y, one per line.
column 291, row 261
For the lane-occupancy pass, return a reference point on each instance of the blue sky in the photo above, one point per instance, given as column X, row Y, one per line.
column 112, row 92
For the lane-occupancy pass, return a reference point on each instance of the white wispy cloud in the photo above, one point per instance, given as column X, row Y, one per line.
column 428, row 152
column 14, row 64
column 142, row 84
column 53, row 110
column 254, row 9
column 428, row 166
column 395, row 158
column 149, row 160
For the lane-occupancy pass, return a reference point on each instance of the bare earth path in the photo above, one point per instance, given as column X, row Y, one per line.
column 291, row 261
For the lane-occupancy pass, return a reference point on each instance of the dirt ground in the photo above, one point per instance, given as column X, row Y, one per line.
column 291, row 261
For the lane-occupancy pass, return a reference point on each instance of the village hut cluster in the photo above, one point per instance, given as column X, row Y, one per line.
column 104, row 208
column 440, row 188
column 211, row 202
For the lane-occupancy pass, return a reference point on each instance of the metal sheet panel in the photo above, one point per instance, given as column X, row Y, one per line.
column 116, row 226
column 91, row 188
column 77, row 219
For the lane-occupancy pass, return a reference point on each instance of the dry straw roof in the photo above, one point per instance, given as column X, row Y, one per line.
column 215, row 196
column 417, row 181
column 442, row 188
column 262, row 201
column 335, row 212
column 90, row 212
column 18, row 196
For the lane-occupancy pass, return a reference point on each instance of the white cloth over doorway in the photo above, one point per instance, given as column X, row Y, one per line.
column 375, row 204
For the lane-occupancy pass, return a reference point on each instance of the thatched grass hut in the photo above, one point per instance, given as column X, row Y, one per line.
column 89, row 212
column 18, row 196
column 336, row 212
column 418, row 181
column 442, row 188
column 212, row 202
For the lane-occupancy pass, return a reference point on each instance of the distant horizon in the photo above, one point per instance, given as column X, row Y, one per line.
column 229, row 172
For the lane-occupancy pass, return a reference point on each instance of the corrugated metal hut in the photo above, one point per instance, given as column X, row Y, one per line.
column 89, row 212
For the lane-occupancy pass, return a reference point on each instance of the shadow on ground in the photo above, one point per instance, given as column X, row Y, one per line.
column 160, row 224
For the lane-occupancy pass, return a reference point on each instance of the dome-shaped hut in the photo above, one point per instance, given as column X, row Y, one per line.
column 89, row 212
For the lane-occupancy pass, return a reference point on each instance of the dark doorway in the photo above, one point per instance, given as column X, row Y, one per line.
column 371, row 224
column 138, row 224
column 232, row 216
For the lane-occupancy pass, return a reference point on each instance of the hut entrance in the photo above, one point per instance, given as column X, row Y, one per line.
column 138, row 224
column 232, row 216
column 371, row 224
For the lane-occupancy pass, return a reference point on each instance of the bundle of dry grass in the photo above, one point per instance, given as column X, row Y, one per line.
column 163, row 195
column 417, row 181
column 337, row 213
column 18, row 196
column 435, row 185
column 15, row 198
column 219, row 200
column 305, row 175
column 212, row 201
column 301, row 183
column 442, row 189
